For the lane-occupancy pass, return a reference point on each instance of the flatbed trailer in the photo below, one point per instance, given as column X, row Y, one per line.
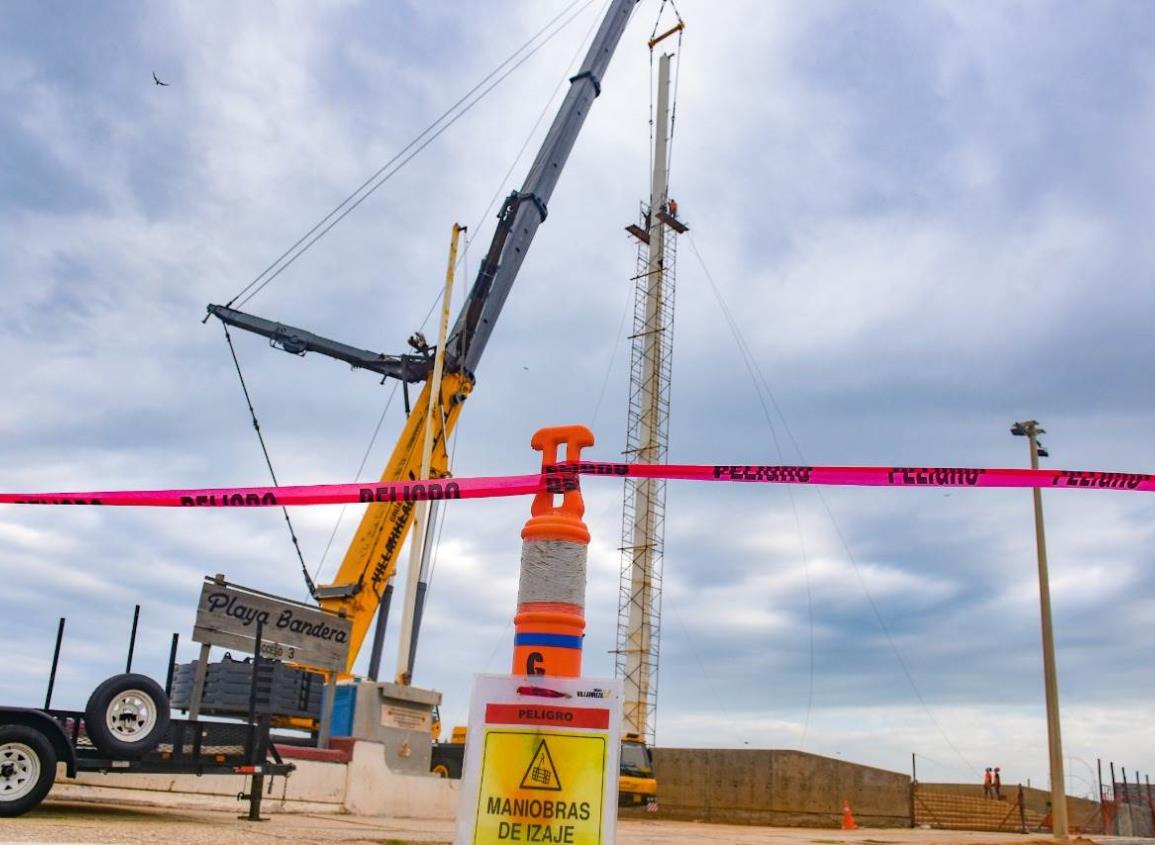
column 127, row 727
column 33, row 741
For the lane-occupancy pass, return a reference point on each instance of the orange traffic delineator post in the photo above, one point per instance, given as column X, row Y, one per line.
column 848, row 822
column 550, row 620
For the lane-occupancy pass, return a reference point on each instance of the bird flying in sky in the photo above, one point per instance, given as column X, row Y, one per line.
column 157, row 81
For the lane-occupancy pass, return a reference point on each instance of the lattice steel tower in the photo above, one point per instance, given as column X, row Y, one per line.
column 643, row 512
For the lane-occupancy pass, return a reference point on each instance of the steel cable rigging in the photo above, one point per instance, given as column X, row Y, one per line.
column 269, row 462
column 464, row 262
column 366, row 189
column 761, row 385
column 405, row 155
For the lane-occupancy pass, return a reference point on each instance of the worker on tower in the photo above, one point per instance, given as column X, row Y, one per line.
column 673, row 206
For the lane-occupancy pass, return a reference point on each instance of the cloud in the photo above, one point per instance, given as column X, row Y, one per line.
column 921, row 223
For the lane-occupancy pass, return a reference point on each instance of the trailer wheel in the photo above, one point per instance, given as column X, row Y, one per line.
column 27, row 768
column 127, row 715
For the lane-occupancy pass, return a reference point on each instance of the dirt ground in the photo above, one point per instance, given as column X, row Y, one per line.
column 85, row 822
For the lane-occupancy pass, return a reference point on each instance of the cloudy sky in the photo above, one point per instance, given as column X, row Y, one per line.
column 912, row 225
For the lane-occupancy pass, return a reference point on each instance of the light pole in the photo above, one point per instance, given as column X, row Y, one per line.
column 1031, row 430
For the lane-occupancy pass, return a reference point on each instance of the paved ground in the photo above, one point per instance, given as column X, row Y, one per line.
column 84, row 822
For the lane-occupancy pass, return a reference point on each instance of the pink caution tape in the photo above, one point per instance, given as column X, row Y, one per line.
column 312, row 494
column 560, row 477
column 866, row 476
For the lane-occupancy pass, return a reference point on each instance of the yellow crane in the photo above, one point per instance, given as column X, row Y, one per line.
column 362, row 585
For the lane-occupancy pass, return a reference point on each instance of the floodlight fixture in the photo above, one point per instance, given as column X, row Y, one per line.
column 1031, row 429
column 1024, row 428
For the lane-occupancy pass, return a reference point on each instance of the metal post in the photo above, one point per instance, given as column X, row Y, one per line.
column 258, row 733
column 1059, row 825
column 1150, row 804
column 132, row 639
column 256, row 669
column 423, row 583
column 257, row 787
column 1114, row 801
column 418, row 612
column 379, row 631
column 55, row 662
column 198, row 690
column 328, row 697
column 1115, row 804
column 171, row 665
column 1102, row 802
column 258, row 754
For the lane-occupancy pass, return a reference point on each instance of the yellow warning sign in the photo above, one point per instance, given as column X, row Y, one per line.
column 541, row 787
column 542, row 773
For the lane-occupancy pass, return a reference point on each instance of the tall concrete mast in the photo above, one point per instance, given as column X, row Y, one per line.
column 643, row 514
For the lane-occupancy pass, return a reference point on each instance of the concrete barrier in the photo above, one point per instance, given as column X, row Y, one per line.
column 1132, row 820
column 363, row 786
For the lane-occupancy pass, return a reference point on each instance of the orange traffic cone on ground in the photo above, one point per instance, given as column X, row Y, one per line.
column 848, row 822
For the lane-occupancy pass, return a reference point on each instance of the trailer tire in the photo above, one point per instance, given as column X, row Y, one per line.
column 127, row 715
column 27, row 768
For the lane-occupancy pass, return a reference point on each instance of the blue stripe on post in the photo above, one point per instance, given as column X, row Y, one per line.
column 555, row 640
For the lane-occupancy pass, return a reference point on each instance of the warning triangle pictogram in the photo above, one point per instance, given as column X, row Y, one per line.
column 542, row 773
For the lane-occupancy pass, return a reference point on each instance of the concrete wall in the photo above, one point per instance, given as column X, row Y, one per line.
column 312, row 788
column 1131, row 820
column 775, row 787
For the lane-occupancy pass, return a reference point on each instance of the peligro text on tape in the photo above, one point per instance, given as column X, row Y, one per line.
column 538, row 767
column 558, row 478
column 313, row 494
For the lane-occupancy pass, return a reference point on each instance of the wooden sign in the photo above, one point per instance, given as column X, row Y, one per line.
column 227, row 616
